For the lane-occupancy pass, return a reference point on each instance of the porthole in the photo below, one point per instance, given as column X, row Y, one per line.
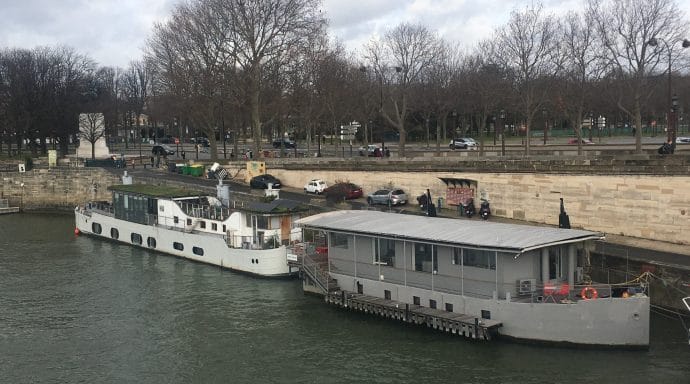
column 136, row 238
column 151, row 242
column 178, row 246
column 198, row 251
column 96, row 228
column 114, row 233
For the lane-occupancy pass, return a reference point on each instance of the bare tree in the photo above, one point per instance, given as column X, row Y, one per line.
column 91, row 129
column 625, row 27
column 263, row 32
column 527, row 47
column 581, row 71
column 400, row 60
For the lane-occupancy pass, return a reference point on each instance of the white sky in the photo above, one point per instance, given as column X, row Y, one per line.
column 113, row 32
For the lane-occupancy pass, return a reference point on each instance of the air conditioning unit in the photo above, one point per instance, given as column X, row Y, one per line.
column 525, row 286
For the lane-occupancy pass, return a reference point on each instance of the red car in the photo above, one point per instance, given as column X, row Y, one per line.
column 584, row 141
column 343, row 190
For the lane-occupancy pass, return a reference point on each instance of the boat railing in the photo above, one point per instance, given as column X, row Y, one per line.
column 101, row 207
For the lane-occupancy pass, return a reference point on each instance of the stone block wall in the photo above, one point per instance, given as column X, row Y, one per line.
column 644, row 206
column 56, row 188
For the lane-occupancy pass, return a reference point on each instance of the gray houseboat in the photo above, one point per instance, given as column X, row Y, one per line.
column 531, row 280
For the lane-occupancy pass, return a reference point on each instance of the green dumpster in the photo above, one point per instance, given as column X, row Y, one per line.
column 185, row 170
column 196, row 170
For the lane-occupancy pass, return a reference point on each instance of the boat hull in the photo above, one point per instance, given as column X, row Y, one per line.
column 213, row 248
column 605, row 322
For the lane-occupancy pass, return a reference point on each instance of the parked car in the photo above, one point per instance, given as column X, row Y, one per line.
column 262, row 181
column 369, row 150
column 463, row 143
column 162, row 150
column 384, row 196
column 200, row 140
column 343, row 191
column 285, row 142
column 682, row 140
column 315, row 186
column 584, row 141
column 169, row 140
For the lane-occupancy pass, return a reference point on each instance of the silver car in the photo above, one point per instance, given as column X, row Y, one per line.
column 387, row 196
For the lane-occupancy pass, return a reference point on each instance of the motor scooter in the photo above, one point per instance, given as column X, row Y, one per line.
column 484, row 209
column 468, row 208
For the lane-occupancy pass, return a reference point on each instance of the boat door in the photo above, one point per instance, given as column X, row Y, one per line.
column 285, row 227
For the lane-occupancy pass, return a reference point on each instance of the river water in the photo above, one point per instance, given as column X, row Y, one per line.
column 83, row 310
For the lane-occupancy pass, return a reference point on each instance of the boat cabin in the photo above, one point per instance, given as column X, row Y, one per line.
column 417, row 258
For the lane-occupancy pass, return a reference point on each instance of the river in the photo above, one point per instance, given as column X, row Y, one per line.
column 76, row 309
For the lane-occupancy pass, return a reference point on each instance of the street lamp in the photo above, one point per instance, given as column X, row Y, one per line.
column 545, row 113
column 503, row 137
column 654, row 42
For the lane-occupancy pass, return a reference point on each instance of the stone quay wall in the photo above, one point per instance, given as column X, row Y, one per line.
column 639, row 196
column 55, row 188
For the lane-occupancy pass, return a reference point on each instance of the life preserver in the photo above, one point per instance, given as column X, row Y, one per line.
column 589, row 293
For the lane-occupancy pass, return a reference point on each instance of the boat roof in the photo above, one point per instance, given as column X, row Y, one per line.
column 276, row 206
column 156, row 190
column 515, row 238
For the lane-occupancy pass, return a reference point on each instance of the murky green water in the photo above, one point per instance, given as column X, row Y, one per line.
column 83, row 310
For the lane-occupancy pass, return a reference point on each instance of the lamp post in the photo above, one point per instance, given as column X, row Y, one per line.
column 545, row 113
column 654, row 42
column 503, row 137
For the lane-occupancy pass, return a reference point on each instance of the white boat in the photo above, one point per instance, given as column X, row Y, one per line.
column 247, row 237
column 531, row 280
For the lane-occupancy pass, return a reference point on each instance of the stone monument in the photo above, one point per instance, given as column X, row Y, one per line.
column 91, row 129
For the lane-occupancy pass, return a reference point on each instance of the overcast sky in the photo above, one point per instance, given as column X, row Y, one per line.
column 113, row 32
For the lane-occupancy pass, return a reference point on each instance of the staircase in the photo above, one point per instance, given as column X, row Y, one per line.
column 314, row 267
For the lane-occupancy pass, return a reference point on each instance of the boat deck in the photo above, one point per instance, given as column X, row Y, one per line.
column 456, row 323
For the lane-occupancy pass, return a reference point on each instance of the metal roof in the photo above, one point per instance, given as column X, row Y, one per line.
column 470, row 233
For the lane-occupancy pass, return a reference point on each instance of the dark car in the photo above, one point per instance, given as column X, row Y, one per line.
column 162, row 150
column 285, row 142
column 343, row 191
column 262, row 181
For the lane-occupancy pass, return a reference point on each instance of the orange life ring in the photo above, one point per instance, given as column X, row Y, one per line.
column 589, row 293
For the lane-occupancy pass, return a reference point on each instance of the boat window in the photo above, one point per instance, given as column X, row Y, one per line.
column 479, row 258
column 457, row 256
column 385, row 252
column 338, row 240
column 424, row 259
column 416, row 300
column 202, row 224
column 432, row 303
column 214, row 227
column 151, row 242
column 198, row 251
column 96, row 228
column 178, row 246
column 386, row 294
column 449, row 307
column 114, row 233
column 189, row 221
column 161, row 208
column 224, row 230
column 136, row 238
column 176, row 219
column 557, row 262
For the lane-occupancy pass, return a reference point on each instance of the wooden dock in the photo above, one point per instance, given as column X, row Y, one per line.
column 456, row 323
